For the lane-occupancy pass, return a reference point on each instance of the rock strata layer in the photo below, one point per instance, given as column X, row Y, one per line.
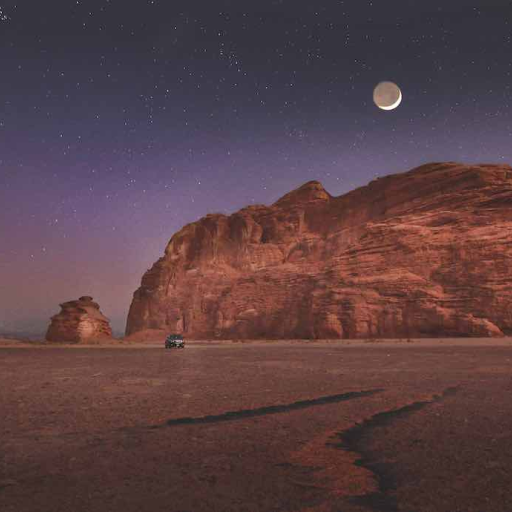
column 79, row 321
column 426, row 253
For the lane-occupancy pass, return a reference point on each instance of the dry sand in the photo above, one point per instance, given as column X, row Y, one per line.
column 288, row 426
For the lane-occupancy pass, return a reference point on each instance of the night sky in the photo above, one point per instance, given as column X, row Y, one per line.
column 121, row 121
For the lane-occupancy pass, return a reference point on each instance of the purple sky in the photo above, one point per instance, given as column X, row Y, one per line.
column 122, row 121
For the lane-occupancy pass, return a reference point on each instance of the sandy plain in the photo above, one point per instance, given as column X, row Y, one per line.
column 424, row 426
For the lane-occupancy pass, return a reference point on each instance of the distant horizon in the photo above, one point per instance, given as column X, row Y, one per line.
column 37, row 333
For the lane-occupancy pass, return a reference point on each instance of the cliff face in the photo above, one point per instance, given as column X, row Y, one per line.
column 424, row 253
column 79, row 321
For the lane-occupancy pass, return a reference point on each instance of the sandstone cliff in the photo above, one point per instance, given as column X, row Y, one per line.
column 426, row 253
column 79, row 321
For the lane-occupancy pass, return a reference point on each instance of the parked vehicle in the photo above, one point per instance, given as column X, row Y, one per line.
column 174, row 341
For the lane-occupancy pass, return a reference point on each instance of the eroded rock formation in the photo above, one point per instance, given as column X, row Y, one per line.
column 79, row 321
column 424, row 253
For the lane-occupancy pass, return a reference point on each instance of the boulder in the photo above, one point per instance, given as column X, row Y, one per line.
column 79, row 321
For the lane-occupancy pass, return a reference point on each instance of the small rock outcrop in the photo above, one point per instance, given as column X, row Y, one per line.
column 79, row 321
column 425, row 253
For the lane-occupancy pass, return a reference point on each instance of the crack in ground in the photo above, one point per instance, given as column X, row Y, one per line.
column 265, row 411
column 353, row 440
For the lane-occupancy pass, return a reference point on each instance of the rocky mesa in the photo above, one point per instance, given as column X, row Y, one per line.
column 79, row 321
column 425, row 253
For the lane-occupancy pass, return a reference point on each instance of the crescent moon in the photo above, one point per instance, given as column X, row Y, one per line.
column 387, row 95
column 392, row 107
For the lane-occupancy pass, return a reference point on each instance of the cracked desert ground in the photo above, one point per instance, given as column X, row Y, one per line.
column 349, row 427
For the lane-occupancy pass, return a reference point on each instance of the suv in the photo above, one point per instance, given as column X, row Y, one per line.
column 174, row 341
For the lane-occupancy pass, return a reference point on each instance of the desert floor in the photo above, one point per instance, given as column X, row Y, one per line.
column 350, row 427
